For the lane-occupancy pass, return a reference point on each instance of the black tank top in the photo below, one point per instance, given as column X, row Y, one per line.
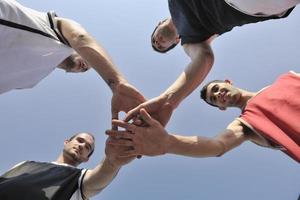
column 197, row 20
column 39, row 181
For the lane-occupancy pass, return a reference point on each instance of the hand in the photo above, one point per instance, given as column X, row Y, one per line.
column 149, row 140
column 158, row 108
column 125, row 97
column 114, row 152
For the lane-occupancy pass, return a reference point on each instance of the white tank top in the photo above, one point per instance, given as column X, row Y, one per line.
column 26, row 57
column 263, row 7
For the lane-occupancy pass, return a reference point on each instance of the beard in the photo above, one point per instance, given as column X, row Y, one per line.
column 72, row 156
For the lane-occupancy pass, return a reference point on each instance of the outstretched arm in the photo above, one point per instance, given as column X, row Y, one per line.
column 125, row 96
column 98, row 178
column 162, row 106
column 154, row 140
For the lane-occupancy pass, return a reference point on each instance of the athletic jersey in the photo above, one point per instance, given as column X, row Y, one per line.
column 41, row 181
column 263, row 8
column 274, row 113
column 27, row 57
column 197, row 20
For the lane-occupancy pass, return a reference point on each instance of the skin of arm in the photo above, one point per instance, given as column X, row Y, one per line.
column 88, row 48
column 125, row 96
column 199, row 146
column 95, row 180
column 161, row 107
column 202, row 59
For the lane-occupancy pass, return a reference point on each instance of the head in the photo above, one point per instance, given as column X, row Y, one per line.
column 221, row 94
column 79, row 147
column 164, row 36
column 74, row 63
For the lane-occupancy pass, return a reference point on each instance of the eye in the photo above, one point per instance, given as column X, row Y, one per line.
column 216, row 88
column 80, row 140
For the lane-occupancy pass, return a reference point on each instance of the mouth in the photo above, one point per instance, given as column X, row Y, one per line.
column 76, row 150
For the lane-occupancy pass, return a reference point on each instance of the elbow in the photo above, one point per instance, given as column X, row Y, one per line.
column 221, row 148
column 208, row 54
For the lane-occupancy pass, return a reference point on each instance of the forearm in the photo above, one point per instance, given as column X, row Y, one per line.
column 194, row 146
column 88, row 48
column 192, row 77
column 100, row 61
column 98, row 178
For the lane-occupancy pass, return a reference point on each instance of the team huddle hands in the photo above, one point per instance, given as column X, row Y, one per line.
column 147, row 138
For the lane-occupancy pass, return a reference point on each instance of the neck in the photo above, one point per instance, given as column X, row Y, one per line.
column 62, row 159
column 246, row 95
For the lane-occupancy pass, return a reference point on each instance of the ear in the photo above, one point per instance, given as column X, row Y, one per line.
column 66, row 142
column 177, row 40
column 222, row 108
column 228, row 81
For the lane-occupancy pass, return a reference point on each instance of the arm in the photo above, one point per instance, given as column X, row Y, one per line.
column 198, row 146
column 98, row 178
column 202, row 59
column 125, row 96
column 154, row 140
column 162, row 106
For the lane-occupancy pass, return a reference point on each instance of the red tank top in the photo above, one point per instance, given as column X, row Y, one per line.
column 275, row 114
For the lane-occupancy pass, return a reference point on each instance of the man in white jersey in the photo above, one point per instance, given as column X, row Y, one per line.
column 34, row 43
column 61, row 180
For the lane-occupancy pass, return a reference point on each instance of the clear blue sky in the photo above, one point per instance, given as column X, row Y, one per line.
column 35, row 122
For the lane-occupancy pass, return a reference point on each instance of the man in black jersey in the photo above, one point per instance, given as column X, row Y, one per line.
column 61, row 180
column 196, row 23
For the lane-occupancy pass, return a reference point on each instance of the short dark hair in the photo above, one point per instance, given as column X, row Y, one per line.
column 75, row 135
column 203, row 91
column 159, row 50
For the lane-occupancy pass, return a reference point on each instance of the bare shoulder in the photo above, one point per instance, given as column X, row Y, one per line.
column 198, row 50
column 239, row 130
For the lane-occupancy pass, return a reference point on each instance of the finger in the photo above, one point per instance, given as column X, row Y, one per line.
column 131, row 114
column 119, row 134
column 129, row 153
column 120, row 123
column 146, row 117
column 127, row 126
column 126, row 143
column 114, row 116
column 137, row 122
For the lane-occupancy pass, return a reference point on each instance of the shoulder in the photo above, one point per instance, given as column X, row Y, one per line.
column 195, row 50
column 239, row 129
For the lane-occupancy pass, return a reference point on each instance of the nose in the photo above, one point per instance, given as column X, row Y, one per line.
column 80, row 147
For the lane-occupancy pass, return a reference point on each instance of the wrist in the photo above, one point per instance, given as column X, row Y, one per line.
column 116, row 85
column 168, row 144
column 110, row 164
column 169, row 100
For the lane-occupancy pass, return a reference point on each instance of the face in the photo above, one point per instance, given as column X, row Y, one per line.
column 75, row 63
column 164, row 36
column 222, row 95
column 79, row 148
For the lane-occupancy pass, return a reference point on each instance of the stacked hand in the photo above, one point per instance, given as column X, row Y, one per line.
column 150, row 140
column 157, row 107
column 114, row 153
column 125, row 97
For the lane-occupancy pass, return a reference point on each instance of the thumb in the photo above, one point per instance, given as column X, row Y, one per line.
column 146, row 117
